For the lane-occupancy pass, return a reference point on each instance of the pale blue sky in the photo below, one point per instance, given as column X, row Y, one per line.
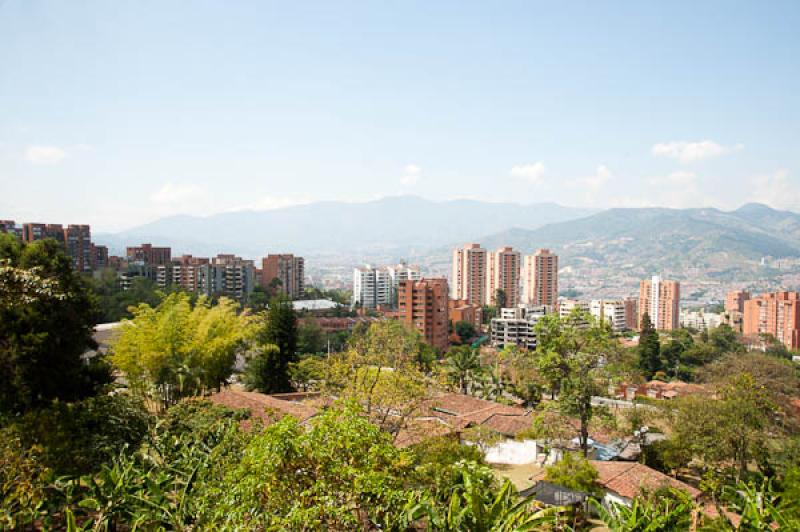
column 116, row 113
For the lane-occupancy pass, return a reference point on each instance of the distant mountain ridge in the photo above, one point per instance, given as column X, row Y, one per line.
column 655, row 239
column 405, row 224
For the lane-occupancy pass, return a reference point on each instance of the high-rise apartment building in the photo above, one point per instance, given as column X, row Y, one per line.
column 289, row 272
column 76, row 239
column 234, row 277
column 149, row 254
column 502, row 273
column 734, row 301
column 469, row 274
column 10, row 226
column 423, row 305
column 223, row 275
column 32, row 232
column 187, row 272
column 99, row 257
column 372, row 287
column 660, row 300
column 540, row 278
column 378, row 286
column 777, row 314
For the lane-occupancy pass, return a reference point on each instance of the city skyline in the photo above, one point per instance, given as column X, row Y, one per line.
column 128, row 113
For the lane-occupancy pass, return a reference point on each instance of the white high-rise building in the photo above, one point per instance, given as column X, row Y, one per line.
column 377, row 286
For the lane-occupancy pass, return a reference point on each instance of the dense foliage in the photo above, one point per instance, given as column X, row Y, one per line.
column 46, row 321
column 178, row 349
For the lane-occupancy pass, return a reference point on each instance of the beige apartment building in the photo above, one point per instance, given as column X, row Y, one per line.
column 777, row 314
column 660, row 300
column 502, row 273
column 540, row 278
column 469, row 274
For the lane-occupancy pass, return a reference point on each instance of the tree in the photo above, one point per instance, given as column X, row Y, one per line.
column 574, row 472
column 729, row 430
column 339, row 473
column 258, row 299
column 725, row 340
column 649, row 349
column 572, row 348
column 310, row 337
column 267, row 371
column 381, row 372
column 463, row 365
column 176, row 349
column 305, row 371
column 500, row 298
column 280, row 328
column 47, row 317
column 465, row 330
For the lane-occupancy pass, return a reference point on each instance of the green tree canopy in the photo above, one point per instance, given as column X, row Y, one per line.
column 47, row 317
column 177, row 349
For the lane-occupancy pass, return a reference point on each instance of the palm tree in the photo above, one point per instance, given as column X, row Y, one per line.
column 463, row 363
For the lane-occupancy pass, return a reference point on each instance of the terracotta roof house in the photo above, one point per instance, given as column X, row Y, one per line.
column 462, row 411
column 624, row 481
column 267, row 408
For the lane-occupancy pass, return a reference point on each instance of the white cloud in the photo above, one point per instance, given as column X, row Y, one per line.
column 411, row 175
column 777, row 190
column 687, row 152
column 44, row 154
column 601, row 176
column 533, row 173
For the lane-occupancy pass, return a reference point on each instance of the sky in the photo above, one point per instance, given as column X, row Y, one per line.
column 118, row 113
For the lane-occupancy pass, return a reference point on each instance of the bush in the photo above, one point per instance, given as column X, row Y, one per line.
column 75, row 438
column 22, row 482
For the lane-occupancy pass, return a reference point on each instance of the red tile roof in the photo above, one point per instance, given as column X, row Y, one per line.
column 267, row 408
column 629, row 478
column 461, row 411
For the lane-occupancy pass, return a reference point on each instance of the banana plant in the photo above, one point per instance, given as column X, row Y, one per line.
column 474, row 509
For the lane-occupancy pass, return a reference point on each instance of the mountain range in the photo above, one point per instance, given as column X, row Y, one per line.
column 651, row 240
column 400, row 224
column 626, row 241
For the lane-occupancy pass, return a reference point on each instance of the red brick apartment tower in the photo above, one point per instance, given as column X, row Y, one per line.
column 777, row 314
column 423, row 305
column 502, row 273
column 469, row 274
column 146, row 253
column 32, row 232
column 540, row 280
column 287, row 268
column 660, row 299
